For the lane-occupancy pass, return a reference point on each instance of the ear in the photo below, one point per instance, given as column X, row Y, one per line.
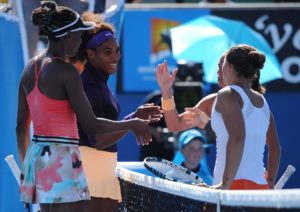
column 90, row 54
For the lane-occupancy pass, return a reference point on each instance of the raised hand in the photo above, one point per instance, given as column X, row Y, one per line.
column 195, row 117
column 140, row 129
column 164, row 79
column 149, row 112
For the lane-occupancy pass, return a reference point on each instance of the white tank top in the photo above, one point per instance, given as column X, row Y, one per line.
column 256, row 125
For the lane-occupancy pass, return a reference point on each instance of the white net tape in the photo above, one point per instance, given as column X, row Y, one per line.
column 287, row 198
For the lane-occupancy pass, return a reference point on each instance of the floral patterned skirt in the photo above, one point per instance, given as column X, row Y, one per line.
column 52, row 171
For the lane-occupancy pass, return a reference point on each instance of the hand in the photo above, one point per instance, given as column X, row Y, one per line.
column 195, row 117
column 141, row 131
column 163, row 78
column 204, row 185
column 220, row 186
column 149, row 112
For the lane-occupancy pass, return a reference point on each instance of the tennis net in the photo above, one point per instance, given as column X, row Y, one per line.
column 143, row 192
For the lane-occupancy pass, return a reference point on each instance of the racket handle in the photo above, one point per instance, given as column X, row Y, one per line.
column 284, row 178
column 10, row 160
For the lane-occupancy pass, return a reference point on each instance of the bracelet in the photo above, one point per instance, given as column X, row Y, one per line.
column 168, row 104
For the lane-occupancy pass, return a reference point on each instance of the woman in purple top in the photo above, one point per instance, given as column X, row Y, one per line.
column 100, row 53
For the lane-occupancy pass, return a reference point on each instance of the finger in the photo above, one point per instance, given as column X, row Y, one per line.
column 142, row 140
column 148, row 104
column 146, row 121
column 158, row 116
column 153, row 120
column 174, row 74
column 165, row 66
column 137, row 140
column 188, row 118
column 150, row 107
column 189, row 109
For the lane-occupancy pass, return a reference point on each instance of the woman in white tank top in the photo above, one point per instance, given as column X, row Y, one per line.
column 241, row 120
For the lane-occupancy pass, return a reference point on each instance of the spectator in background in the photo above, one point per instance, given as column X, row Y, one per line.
column 191, row 154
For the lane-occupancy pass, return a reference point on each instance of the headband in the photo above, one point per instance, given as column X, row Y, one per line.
column 99, row 38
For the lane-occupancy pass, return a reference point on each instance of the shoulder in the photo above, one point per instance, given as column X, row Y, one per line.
column 228, row 96
column 68, row 70
column 210, row 97
column 28, row 72
column 228, row 92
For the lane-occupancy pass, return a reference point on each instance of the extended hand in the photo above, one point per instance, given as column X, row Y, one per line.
column 163, row 78
column 149, row 112
column 195, row 117
column 141, row 131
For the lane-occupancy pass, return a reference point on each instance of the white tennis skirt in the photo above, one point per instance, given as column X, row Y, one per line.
column 99, row 167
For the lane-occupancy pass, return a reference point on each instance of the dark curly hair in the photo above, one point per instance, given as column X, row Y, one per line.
column 49, row 17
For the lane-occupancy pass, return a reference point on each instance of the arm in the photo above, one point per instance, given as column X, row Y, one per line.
column 274, row 152
column 146, row 111
column 200, row 114
column 165, row 81
column 91, row 124
column 23, row 124
column 230, row 106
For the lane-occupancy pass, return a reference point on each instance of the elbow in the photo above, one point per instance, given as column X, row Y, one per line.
column 88, row 129
column 239, row 139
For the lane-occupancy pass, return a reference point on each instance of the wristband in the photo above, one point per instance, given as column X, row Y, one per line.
column 168, row 104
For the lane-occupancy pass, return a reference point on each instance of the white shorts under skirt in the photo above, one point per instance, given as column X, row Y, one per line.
column 99, row 167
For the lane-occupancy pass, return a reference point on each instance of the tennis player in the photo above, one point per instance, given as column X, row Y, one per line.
column 177, row 122
column 52, row 97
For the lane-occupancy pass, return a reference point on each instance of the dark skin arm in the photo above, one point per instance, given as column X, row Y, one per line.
column 23, row 124
column 91, row 124
column 147, row 111
column 274, row 153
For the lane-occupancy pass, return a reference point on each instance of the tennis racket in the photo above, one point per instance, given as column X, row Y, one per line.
column 284, row 178
column 168, row 170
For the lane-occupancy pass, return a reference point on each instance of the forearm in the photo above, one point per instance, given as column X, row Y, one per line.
column 174, row 121
column 234, row 153
column 100, row 126
column 105, row 140
column 274, row 156
column 23, row 140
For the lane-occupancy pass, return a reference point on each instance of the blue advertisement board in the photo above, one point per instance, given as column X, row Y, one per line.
column 11, row 60
column 146, row 42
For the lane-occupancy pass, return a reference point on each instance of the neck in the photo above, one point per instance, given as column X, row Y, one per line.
column 244, row 83
column 56, row 49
